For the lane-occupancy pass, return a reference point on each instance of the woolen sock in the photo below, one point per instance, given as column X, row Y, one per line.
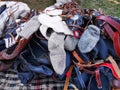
column 30, row 27
column 54, row 22
column 70, row 43
column 89, row 39
column 57, row 52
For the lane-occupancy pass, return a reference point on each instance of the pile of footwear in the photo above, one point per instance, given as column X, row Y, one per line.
column 65, row 42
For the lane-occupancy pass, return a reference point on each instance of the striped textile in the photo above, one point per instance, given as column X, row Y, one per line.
column 9, row 81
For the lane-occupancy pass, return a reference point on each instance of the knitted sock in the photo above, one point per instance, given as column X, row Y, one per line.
column 70, row 43
column 30, row 27
column 57, row 52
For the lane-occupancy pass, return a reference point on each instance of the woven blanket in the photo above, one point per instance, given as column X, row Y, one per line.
column 9, row 81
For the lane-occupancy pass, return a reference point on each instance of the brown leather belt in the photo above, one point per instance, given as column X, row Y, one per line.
column 114, row 35
column 21, row 45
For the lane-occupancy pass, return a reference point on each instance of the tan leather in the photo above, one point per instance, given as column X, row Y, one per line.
column 77, row 57
column 68, row 78
column 114, row 64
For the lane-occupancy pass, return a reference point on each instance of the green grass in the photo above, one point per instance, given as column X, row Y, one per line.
column 109, row 7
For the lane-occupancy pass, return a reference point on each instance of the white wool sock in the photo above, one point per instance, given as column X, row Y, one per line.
column 57, row 52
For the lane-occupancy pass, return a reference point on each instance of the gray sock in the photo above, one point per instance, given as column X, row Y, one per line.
column 89, row 39
column 30, row 27
column 70, row 43
column 57, row 52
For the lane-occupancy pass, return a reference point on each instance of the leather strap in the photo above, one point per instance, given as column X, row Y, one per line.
column 98, row 80
column 77, row 57
column 87, row 65
column 109, row 30
column 116, row 43
column 113, row 35
column 21, row 45
column 114, row 71
column 68, row 75
column 112, row 22
column 115, row 66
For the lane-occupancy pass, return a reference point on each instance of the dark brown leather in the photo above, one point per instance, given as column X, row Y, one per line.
column 116, row 84
column 21, row 45
column 5, row 66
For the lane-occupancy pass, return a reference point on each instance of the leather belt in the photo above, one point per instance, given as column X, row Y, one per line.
column 114, row 35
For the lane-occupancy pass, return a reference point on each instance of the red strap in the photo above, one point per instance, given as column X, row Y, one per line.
column 112, row 22
column 77, row 33
column 109, row 30
column 112, row 69
column 116, row 43
column 68, row 75
column 113, row 35
column 98, row 80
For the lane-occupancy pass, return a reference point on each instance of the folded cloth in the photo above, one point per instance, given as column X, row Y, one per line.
column 55, row 23
column 9, row 81
column 89, row 39
column 57, row 52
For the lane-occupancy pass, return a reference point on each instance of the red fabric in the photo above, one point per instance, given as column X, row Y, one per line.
column 68, row 74
column 112, row 69
column 116, row 43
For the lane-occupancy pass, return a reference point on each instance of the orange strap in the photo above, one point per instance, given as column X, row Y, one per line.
column 68, row 75
column 77, row 57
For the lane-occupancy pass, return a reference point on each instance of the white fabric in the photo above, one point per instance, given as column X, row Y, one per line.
column 30, row 27
column 18, row 7
column 57, row 52
column 61, row 2
column 15, row 8
column 53, row 11
column 43, row 30
column 55, row 23
column 9, row 42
